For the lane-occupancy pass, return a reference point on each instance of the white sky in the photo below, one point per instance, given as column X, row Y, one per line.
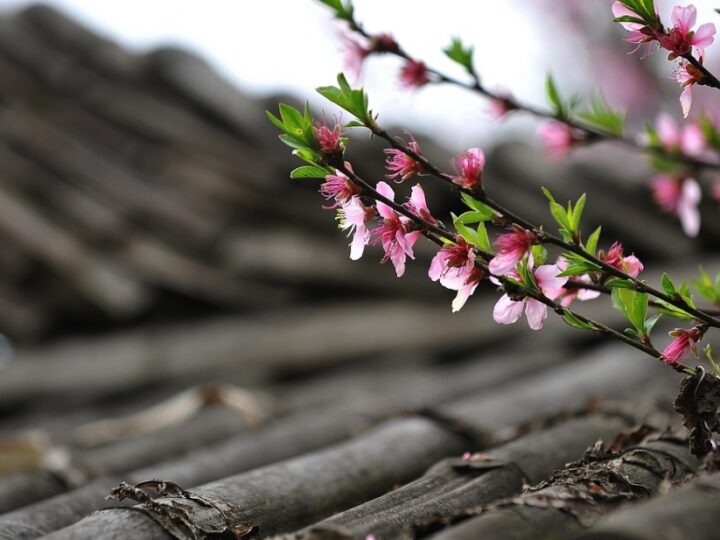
column 293, row 46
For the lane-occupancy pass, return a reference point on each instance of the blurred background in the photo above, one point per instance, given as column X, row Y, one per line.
column 153, row 241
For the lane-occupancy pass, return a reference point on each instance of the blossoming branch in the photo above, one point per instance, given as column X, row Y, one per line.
column 675, row 188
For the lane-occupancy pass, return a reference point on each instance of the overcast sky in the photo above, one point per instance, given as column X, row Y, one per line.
column 292, row 45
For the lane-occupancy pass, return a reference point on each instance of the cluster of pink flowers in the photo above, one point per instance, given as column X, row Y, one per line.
column 329, row 139
column 469, row 168
column 400, row 165
column 454, row 265
column 679, row 40
column 615, row 257
column 511, row 249
column 508, row 309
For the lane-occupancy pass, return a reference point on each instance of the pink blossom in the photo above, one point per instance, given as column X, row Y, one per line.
column 469, row 168
column 508, row 311
column 616, row 258
column 355, row 55
column 414, row 74
column 557, row 137
column 329, row 140
column 680, row 39
column 511, row 248
column 339, row 188
column 394, row 233
column 684, row 342
column 353, row 217
column 565, row 296
column 689, row 139
column 418, row 205
column 688, row 76
column 501, row 104
column 679, row 196
column 454, row 266
column 640, row 34
column 400, row 165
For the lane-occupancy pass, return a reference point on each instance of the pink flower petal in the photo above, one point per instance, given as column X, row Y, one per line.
column 437, row 265
column 687, row 209
column 683, row 18
column 383, row 209
column 504, row 262
column 546, row 277
column 536, row 313
column 359, row 241
column 507, row 311
column 704, row 36
column 463, row 294
column 686, row 100
column 692, row 140
column 667, row 131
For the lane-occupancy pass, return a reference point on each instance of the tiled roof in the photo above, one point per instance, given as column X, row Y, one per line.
column 186, row 314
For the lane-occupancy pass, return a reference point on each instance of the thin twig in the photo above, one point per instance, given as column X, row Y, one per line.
column 591, row 133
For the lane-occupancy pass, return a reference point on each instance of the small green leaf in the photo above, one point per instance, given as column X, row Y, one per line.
column 600, row 115
column 342, row 11
column 672, row 311
column 633, row 305
column 706, row 287
column 628, row 19
column 308, row 171
column 577, row 212
column 483, row 241
column 539, row 254
column 592, row 241
column 473, row 216
column 460, row 54
column 468, row 234
column 651, row 322
column 570, row 318
column 617, row 283
column 480, row 207
column 554, row 97
column 667, row 285
column 354, row 123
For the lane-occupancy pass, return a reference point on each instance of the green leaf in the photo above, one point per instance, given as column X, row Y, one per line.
column 354, row 101
column 539, row 254
column 617, row 283
column 628, row 19
column 483, row 241
column 308, row 171
column 342, row 11
column 460, row 54
column 554, row 97
column 600, row 115
column 577, row 212
column 667, row 285
column 592, row 241
column 478, row 206
column 633, row 305
column 672, row 311
column 706, row 287
column 473, row 216
column 570, row 318
column 684, row 293
column 651, row 322
column 468, row 234
column 354, row 123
